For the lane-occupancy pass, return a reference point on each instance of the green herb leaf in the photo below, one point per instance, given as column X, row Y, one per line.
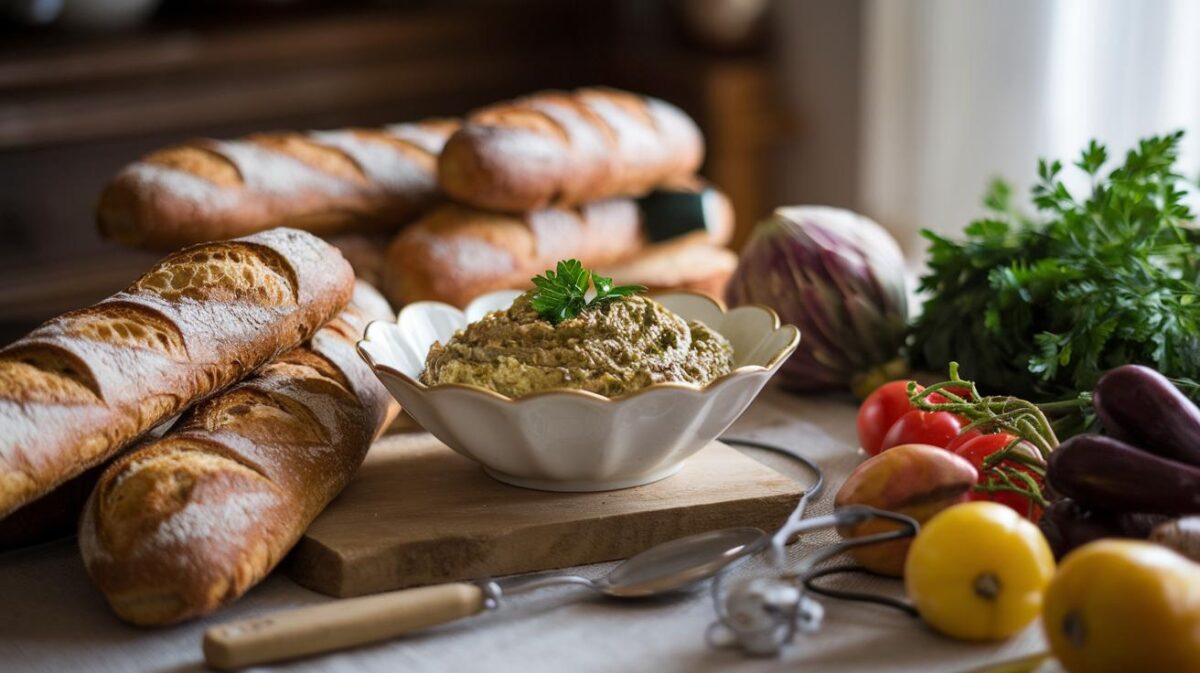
column 562, row 294
column 605, row 292
column 1093, row 158
column 1039, row 307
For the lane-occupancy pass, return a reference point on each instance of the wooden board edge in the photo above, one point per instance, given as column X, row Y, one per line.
column 383, row 573
column 315, row 566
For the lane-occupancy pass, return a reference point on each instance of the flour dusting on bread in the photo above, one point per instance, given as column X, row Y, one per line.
column 387, row 168
column 430, row 136
column 269, row 171
column 221, row 521
column 469, row 257
column 151, row 178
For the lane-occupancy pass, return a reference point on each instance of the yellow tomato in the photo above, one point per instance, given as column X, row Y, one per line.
column 977, row 571
column 1122, row 606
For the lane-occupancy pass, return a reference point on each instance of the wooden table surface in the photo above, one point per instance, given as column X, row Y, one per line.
column 53, row 620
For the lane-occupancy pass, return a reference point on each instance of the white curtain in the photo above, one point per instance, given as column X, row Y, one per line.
column 957, row 92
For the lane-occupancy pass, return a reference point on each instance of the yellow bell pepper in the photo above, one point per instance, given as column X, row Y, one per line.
column 977, row 571
column 1123, row 606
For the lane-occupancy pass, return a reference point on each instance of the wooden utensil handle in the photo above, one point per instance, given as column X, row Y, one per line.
column 337, row 625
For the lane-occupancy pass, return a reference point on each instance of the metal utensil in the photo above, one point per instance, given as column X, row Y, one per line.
column 667, row 567
column 760, row 615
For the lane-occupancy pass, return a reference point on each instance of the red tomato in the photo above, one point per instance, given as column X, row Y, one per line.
column 880, row 411
column 938, row 428
column 976, row 450
column 964, row 393
column 962, row 438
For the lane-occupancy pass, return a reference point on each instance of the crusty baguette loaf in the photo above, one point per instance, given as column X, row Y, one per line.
column 85, row 384
column 563, row 149
column 697, row 266
column 456, row 253
column 325, row 182
column 182, row 525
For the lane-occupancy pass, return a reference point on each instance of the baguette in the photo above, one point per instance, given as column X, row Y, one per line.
column 700, row 267
column 85, row 384
column 325, row 182
column 184, row 524
column 563, row 149
column 456, row 253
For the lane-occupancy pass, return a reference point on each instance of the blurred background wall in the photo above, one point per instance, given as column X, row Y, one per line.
column 900, row 108
column 957, row 92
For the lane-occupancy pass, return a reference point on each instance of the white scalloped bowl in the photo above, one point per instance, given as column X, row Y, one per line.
column 574, row 440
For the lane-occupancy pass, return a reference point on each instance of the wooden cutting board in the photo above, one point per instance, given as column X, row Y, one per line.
column 417, row 513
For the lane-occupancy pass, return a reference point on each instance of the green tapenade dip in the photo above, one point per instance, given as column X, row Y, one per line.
column 615, row 349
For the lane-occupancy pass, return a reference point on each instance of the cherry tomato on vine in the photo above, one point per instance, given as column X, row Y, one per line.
column 935, row 398
column 880, row 411
column 964, row 393
column 937, row 428
column 976, row 450
column 962, row 438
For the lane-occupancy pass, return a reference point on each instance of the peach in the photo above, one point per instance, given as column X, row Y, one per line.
column 917, row 480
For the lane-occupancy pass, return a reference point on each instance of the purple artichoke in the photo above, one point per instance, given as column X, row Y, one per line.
column 840, row 278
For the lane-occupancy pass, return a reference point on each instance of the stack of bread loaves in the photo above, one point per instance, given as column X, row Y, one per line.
column 183, row 524
column 188, row 520
column 554, row 176
column 550, row 176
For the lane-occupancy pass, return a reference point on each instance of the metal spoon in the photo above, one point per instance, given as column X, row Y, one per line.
column 336, row 625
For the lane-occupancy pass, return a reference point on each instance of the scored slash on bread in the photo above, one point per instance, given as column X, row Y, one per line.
column 85, row 384
column 566, row 148
column 326, row 182
column 184, row 524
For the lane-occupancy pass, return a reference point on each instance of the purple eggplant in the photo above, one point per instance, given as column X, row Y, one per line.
column 1067, row 525
column 1141, row 406
column 1102, row 472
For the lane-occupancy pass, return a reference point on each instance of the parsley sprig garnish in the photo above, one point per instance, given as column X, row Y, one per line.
column 1040, row 306
column 562, row 294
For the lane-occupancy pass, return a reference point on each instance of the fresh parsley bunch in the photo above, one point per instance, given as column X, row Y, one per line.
column 562, row 294
column 1039, row 307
